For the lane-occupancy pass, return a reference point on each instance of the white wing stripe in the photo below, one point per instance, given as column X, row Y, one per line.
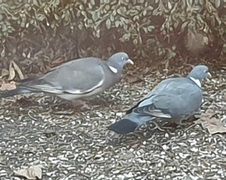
column 78, row 91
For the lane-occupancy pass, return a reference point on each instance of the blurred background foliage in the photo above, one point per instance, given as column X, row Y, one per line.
column 39, row 34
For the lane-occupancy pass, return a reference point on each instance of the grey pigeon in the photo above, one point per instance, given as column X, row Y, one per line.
column 172, row 100
column 76, row 79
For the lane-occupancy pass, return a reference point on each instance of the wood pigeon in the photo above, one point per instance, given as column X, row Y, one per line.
column 76, row 79
column 172, row 100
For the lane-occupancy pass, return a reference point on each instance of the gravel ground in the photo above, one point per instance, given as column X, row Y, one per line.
column 77, row 146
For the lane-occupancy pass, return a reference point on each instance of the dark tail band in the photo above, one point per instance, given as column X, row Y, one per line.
column 13, row 92
column 123, row 126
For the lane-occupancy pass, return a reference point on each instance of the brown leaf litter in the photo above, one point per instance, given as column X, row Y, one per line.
column 211, row 123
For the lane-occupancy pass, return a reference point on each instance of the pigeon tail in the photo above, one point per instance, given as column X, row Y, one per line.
column 13, row 92
column 123, row 126
column 130, row 123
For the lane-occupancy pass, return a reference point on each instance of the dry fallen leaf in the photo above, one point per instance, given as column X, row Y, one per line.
column 12, row 72
column 32, row 172
column 8, row 86
column 17, row 69
column 212, row 124
column 4, row 72
column 13, row 69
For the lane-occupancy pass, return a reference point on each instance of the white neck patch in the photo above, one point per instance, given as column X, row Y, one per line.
column 196, row 81
column 113, row 69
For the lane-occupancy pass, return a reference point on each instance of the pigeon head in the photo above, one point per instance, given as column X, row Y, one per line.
column 200, row 72
column 119, row 60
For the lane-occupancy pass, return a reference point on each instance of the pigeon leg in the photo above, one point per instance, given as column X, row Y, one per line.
column 68, row 108
column 183, row 122
column 81, row 104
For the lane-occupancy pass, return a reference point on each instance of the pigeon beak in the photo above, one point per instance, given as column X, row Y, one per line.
column 129, row 61
column 209, row 75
